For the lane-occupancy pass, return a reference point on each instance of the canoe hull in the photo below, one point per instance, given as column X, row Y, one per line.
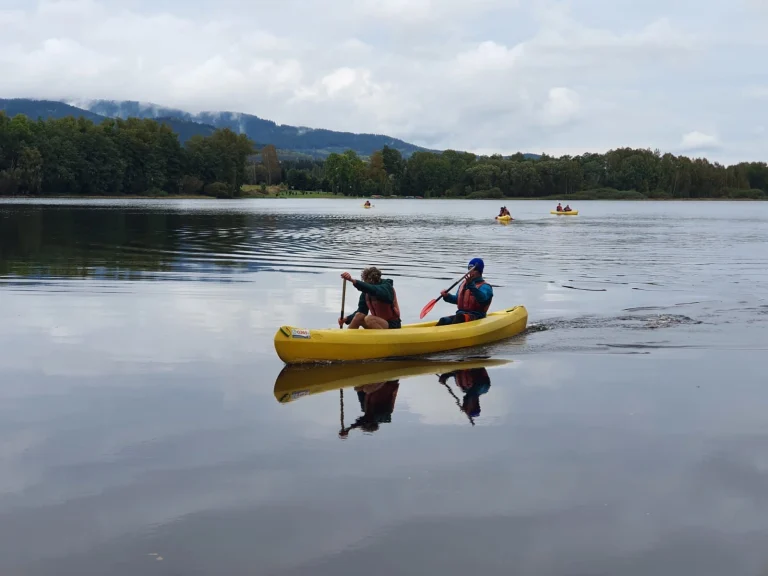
column 503, row 218
column 298, row 346
column 570, row 213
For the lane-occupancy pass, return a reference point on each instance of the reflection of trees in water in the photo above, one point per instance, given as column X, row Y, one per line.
column 119, row 243
column 136, row 240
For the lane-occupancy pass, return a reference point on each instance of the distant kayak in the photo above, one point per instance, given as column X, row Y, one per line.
column 570, row 213
column 298, row 345
column 504, row 218
column 364, row 206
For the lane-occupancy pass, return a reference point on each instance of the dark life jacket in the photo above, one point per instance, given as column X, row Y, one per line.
column 384, row 310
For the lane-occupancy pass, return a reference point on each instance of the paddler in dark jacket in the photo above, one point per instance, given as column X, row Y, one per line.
column 377, row 401
column 473, row 298
column 377, row 308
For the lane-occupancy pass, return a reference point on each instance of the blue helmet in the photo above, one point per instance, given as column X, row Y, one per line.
column 477, row 263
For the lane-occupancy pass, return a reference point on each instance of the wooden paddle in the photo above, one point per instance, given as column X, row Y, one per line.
column 343, row 298
column 428, row 308
column 343, row 433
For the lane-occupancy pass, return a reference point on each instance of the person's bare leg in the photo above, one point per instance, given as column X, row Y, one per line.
column 357, row 321
column 375, row 323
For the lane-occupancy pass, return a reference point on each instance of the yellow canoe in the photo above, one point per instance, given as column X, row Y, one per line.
column 295, row 382
column 503, row 218
column 569, row 213
column 299, row 345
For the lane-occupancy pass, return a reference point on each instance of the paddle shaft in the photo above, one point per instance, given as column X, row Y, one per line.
column 452, row 286
column 341, row 390
column 431, row 304
column 458, row 402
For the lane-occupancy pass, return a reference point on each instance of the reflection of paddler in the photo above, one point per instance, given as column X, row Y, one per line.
column 377, row 401
column 474, row 383
column 376, row 384
column 300, row 381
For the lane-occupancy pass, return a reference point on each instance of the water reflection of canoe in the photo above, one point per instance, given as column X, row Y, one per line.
column 563, row 213
column 295, row 382
column 298, row 345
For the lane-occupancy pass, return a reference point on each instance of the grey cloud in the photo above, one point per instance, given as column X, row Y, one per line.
column 487, row 75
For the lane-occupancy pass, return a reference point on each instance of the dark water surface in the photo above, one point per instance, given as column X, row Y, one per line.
column 146, row 427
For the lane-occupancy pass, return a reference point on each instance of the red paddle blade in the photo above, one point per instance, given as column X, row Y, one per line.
column 428, row 308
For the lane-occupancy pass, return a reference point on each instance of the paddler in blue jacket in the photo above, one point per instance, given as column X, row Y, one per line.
column 473, row 297
column 474, row 383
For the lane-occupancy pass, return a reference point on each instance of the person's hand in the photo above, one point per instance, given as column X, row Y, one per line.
column 341, row 322
column 443, row 293
column 347, row 276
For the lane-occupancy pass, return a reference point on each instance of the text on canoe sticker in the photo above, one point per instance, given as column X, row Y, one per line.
column 299, row 333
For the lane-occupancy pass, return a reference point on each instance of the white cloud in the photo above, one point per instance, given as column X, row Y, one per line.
column 495, row 75
column 699, row 141
column 561, row 107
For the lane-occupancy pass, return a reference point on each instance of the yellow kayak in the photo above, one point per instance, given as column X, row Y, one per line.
column 299, row 345
column 364, row 206
column 295, row 382
column 569, row 213
column 504, row 218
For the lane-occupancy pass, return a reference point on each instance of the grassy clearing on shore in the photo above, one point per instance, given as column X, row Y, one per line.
column 257, row 191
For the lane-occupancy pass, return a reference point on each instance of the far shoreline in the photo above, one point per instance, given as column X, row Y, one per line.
column 364, row 198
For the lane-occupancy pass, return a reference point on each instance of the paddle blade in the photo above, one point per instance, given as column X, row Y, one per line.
column 428, row 308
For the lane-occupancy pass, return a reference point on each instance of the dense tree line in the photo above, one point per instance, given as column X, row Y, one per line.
column 74, row 156
column 621, row 173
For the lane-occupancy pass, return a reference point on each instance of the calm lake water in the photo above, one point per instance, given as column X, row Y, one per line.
column 146, row 427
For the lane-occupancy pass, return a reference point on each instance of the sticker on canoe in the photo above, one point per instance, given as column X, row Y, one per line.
column 300, row 333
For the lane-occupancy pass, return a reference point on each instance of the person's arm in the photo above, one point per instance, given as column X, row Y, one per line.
column 378, row 291
column 451, row 298
column 482, row 294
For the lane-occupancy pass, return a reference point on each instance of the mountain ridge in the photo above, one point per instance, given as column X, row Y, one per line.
column 317, row 143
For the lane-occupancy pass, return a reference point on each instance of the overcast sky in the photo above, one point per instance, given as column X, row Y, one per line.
column 481, row 75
